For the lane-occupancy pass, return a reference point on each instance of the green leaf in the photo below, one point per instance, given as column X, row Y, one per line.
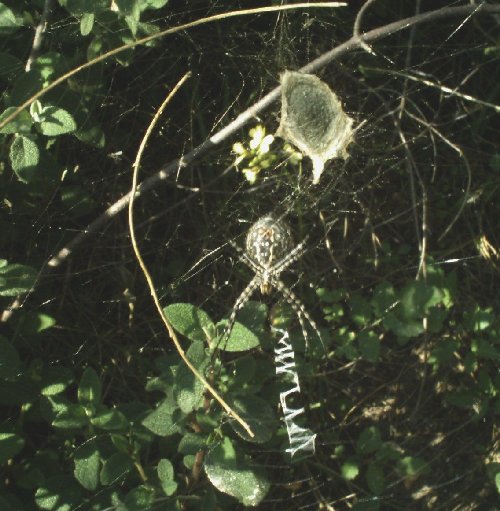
column 188, row 390
column 405, row 329
column 50, row 406
column 16, row 279
column 8, row 21
column 369, row 440
column 161, row 421
column 191, row 443
column 190, row 321
column 375, row 479
column 9, row 359
column 243, row 335
column 485, row 349
column 241, row 338
column 479, row 319
column 20, row 124
column 350, row 469
column 121, row 442
column 79, row 7
column 50, row 64
column 259, row 415
column 9, row 66
column 24, row 157
column 32, row 323
column 235, row 476
column 243, row 372
column 91, row 134
column 55, row 121
column 140, row 499
column 59, row 494
column 86, row 23
column 384, row 298
column 115, row 468
column 442, row 354
column 72, row 417
column 89, row 390
column 110, row 420
column 55, row 380
column 88, row 465
column 152, row 4
column 369, row 345
column 330, row 295
column 497, row 481
column 412, row 466
column 361, row 311
column 127, row 6
column 166, row 476
column 10, row 445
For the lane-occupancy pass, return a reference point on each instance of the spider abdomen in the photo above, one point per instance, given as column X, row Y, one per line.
column 268, row 241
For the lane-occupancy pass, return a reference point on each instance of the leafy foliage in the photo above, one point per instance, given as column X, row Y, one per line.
column 99, row 411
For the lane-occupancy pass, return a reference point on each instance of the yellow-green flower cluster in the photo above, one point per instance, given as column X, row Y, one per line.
column 257, row 155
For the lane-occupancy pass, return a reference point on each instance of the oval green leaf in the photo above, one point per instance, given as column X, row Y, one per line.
column 88, row 465
column 116, row 467
column 89, row 390
column 166, row 476
column 20, row 124
column 56, row 121
column 24, row 157
column 258, row 414
column 235, row 477
column 190, row 321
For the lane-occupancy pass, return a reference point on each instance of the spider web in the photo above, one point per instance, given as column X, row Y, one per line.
column 404, row 168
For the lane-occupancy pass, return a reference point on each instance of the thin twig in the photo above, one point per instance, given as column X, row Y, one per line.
column 37, row 38
column 356, row 31
column 146, row 272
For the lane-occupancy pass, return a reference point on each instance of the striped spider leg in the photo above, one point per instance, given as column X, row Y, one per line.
column 268, row 253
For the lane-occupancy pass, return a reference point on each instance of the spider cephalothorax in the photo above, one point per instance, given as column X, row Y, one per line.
column 270, row 251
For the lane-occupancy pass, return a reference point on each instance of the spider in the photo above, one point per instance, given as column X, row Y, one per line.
column 268, row 252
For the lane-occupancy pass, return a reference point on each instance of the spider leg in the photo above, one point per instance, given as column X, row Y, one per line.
column 246, row 259
column 242, row 300
column 290, row 258
column 298, row 308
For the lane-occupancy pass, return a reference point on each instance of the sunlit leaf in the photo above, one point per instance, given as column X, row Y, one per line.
column 189, row 320
column 61, row 493
column 10, row 445
column 56, row 121
column 189, row 390
column 166, row 476
column 234, row 475
column 88, row 464
column 350, row 469
column 89, row 390
column 24, row 157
